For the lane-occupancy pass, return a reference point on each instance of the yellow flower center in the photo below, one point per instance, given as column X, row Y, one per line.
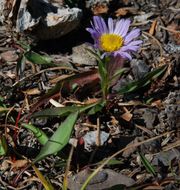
column 111, row 42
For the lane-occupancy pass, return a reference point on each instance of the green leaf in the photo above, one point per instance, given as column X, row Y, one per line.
column 111, row 162
column 118, row 73
column 46, row 183
column 39, row 134
column 96, row 55
column 104, row 77
column 3, row 146
column 3, row 109
column 147, row 165
column 21, row 65
column 38, row 59
column 147, row 79
column 62, row 111
column 24, row 45
column 1, row 101
column 98, row 107
column 60, row 164
column 59, row 139
column 102, row 70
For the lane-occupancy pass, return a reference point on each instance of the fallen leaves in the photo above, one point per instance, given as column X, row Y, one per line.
column 18, row 164
column 175, row 34
column 33, row 91
column 125, row 10
column 127, row 116
column 152, row 28
column 100, row 9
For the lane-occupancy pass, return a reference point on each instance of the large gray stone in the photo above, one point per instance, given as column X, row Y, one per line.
column 46, row 19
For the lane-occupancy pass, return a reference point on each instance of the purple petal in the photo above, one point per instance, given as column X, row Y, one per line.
column 99, row 24
column 93, row 33
column 118, row 27
column 125, row 55
column 91, row 30
column 110, row 25
column 135, row 43
column 125, row 27
column 131, row 35
column 129, row 48
column 96, row 25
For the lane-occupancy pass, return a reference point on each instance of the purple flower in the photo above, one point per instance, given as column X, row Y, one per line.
column 113, row 38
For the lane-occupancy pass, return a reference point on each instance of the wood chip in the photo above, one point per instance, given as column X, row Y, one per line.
column 153, row 26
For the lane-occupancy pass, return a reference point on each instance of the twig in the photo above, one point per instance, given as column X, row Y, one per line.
column 157, row 41
column 42, row 71
column 67, row 168
column 98, row 138
column 6, row 120
column 169, row 30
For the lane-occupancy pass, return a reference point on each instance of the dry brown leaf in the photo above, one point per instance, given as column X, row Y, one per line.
column 177, row 38
column 130, row 103
column 59, row 78
column 100, row 9
column 129, row 151
column 4, row 165
column 55, row 103
column 145, row 130
column 19, row 164
column 153, row 26
column 88, row 78
column 125, row 10
column 33, row 91
column 175, row 35
column 114, row 121
column 157, row 103
column 127, row 116
column 171, row 145
column 167, row 181
column 155, row 187
column 121, row 12
column 91, row 101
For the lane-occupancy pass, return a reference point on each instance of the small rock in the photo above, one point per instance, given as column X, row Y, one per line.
column 149, row 117
column 82, row 56
column 9, row 56
column 90, row 139
column 139, row 68
column 104, row 180
column 166, row 157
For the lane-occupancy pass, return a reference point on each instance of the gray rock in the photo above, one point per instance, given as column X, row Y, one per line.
column 80, row 55
column 139, row 68
column 104, row 180
column 166, row 157
column 46, row 19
